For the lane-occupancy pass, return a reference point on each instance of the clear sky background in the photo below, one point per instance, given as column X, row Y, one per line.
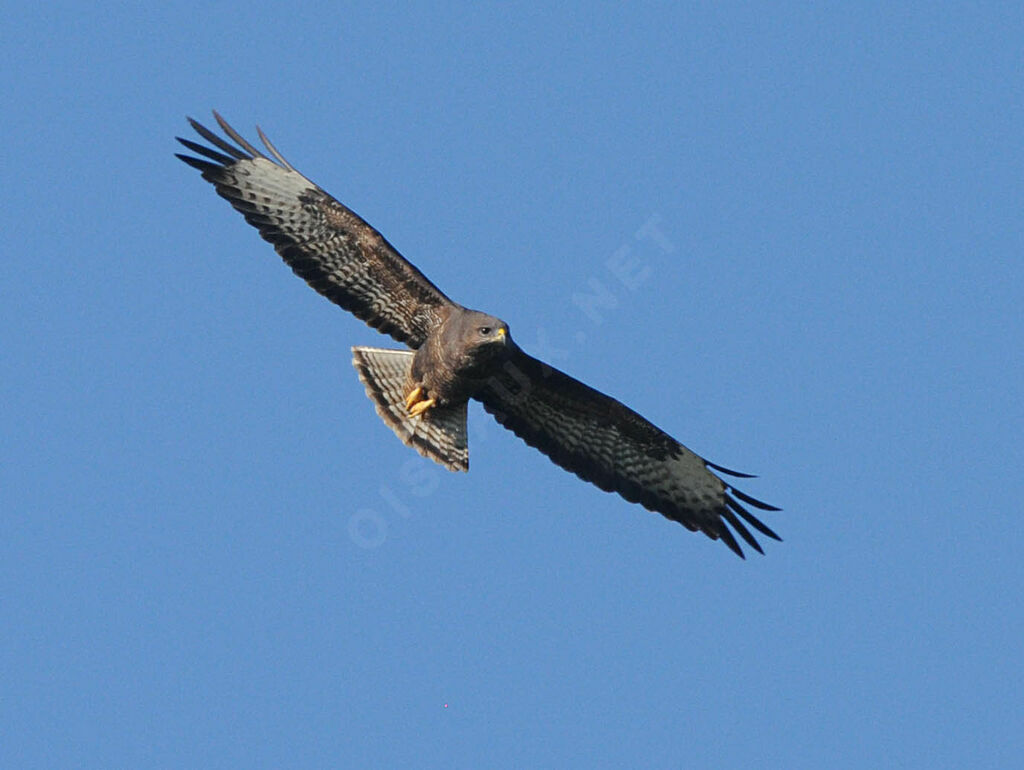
column 214, row 554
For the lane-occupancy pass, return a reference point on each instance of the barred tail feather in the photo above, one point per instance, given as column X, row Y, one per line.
column 439, row 434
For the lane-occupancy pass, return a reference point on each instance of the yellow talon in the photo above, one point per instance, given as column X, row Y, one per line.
column 413, row 397
column 420, row 407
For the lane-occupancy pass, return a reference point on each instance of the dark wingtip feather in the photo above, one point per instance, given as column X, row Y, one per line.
column 197, row 163
column 729, row 540
column 237, row 137
column 224, row 160
column 737, row 474
column 754, row 501
column 216, row 141
column 273, row 150
column 752, row 520
column 743, row 531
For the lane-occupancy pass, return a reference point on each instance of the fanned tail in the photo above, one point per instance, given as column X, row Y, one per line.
column 439, row 434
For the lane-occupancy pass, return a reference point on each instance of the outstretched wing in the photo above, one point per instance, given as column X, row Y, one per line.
column 606, row 443
column 323, row 241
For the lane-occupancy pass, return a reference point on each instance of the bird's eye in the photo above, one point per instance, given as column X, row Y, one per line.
column 485, row 330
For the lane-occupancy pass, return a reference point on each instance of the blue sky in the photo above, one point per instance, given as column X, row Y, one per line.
column 214, row 554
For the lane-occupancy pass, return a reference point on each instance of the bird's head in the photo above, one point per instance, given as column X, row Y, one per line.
column 481, row 336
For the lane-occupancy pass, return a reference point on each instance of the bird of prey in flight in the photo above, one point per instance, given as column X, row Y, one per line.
column 457, row 354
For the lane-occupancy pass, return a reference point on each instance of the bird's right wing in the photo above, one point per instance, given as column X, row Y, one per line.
column 323, row 241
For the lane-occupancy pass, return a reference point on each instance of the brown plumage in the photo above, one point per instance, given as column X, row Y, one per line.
column 458, row 354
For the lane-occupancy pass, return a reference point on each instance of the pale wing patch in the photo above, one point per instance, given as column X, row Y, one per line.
column 260, row 176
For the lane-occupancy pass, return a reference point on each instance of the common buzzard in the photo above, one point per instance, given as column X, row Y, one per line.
column 457, row 354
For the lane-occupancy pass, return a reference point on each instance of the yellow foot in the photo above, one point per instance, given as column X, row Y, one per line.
column 413, row 397
column 416, row 403
column 420, row 407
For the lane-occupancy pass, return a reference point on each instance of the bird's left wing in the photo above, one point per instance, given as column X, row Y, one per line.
column 323, row 241
column 606, row 443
